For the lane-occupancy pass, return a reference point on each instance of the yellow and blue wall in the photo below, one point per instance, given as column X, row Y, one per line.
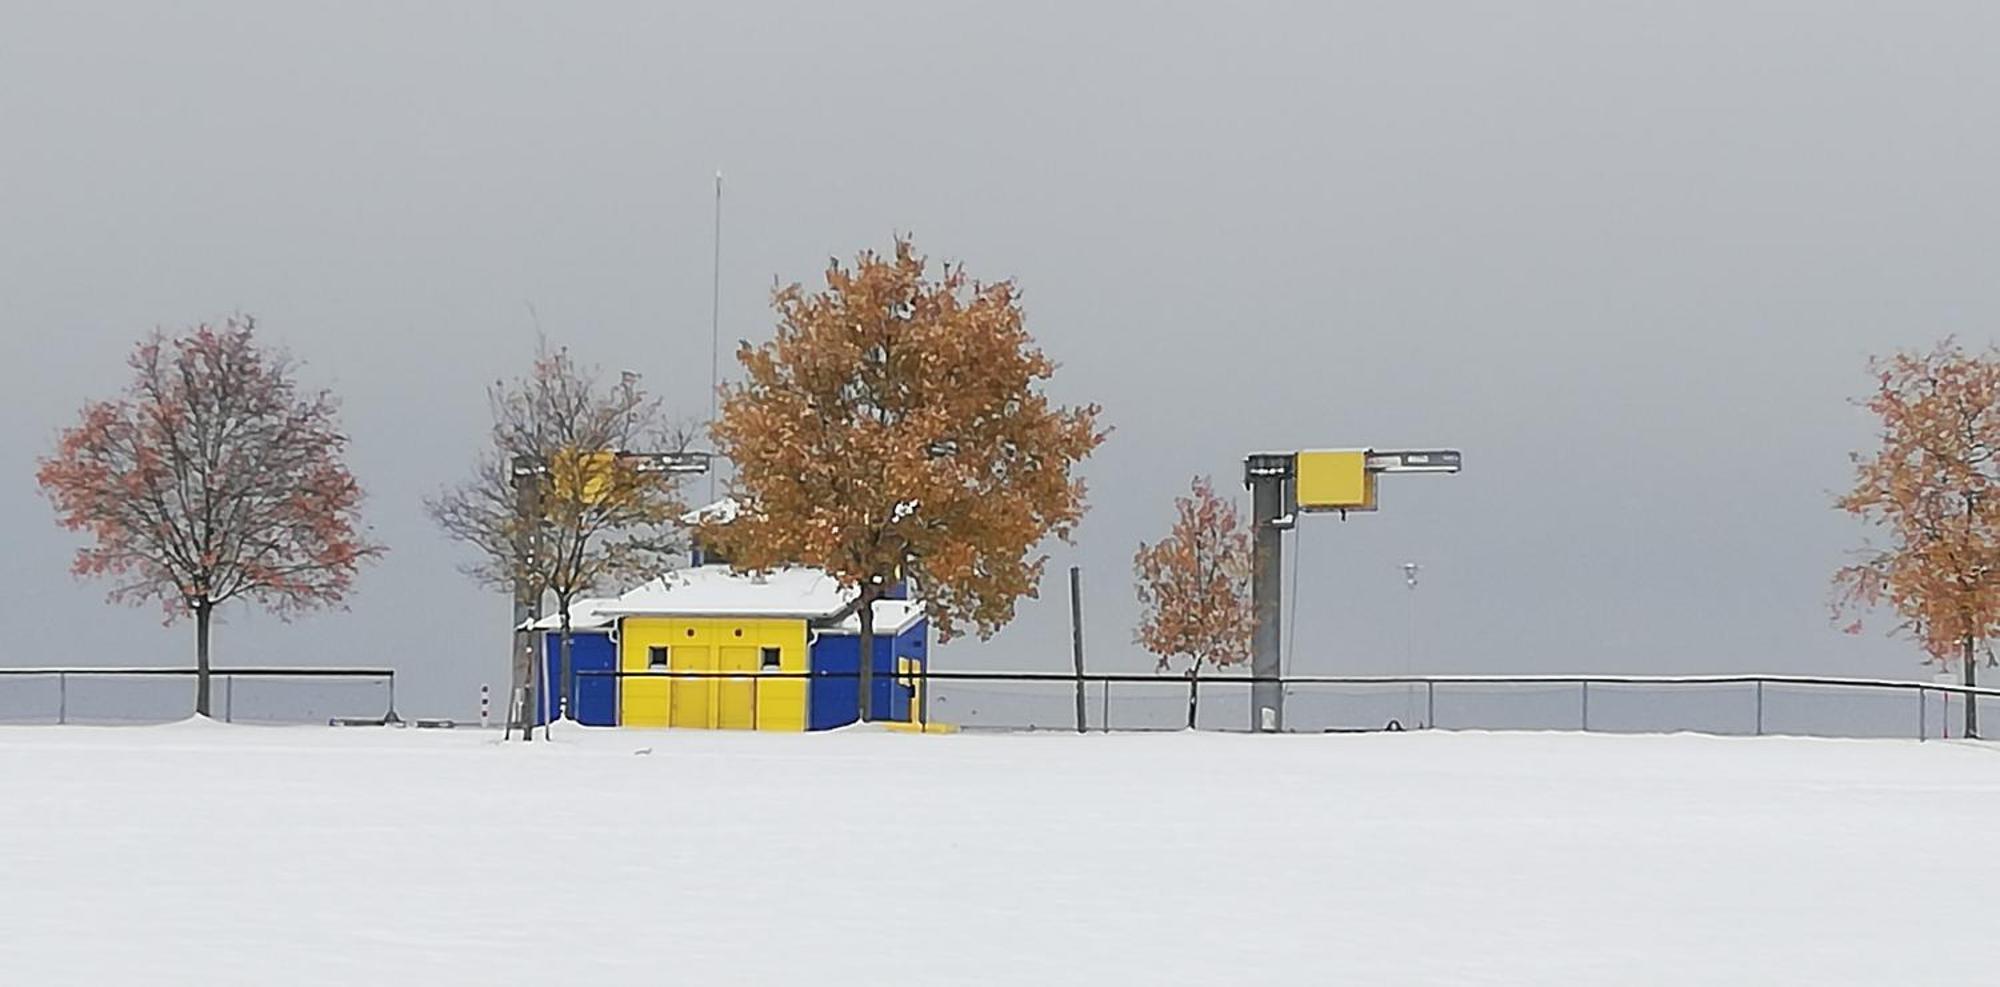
column 765, row 673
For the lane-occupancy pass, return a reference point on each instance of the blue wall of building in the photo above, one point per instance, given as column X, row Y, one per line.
column 596, row 696
column 836, row 689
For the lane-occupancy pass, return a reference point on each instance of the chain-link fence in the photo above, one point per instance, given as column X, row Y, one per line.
column 1746, row 705
column 1718, row 704
column 156, row 695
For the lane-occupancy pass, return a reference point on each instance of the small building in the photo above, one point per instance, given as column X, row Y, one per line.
column 593, row 658
column 761, row 651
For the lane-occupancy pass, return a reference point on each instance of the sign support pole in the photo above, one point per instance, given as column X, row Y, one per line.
column 1335, row 480
column 1269, row 478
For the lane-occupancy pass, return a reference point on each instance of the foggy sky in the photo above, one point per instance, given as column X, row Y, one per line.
column 1630, row 257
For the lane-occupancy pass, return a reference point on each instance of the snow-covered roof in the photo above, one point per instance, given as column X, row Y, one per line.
column 891, row 617
column 721, row 512
column 715, row 590
column 584, row 614
column 718, row 591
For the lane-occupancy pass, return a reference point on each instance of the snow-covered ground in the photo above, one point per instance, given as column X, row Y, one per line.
column 198, row 853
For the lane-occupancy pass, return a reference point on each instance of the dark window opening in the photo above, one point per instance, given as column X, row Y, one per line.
column 656, row 656
column 771, row 656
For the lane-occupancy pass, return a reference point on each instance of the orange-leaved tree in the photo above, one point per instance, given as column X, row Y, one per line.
column 212, row 478
column 1932, row 490
column 897, row 427
column 1194, row 588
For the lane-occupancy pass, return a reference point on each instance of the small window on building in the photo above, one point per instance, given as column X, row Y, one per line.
column 656, row 656
column 771, row 656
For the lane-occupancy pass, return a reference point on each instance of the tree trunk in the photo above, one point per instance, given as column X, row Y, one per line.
column 527, row 648
column 1971, row 680
column 566, row 691
column 1194, row 691
column 201, row 614
column 865, row 703
column 527, row 644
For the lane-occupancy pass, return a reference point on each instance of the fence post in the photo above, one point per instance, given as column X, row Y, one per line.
column 1586, row 706
column 1076, row 638
column 1923, row 717
column 1430, row 705
column 62, row 698
column 228, row 698
column 1107, row 706
column 1760, row 707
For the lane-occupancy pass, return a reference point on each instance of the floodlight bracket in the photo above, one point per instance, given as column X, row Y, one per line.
column 1414, row 461
column 667, row 462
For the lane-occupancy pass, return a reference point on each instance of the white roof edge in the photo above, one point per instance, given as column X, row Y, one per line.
column 746, row 614
column 585, row 614
column 912, row 612
column 718, row 590
column 720, row 512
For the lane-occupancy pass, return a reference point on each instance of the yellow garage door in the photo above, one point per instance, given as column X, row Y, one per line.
column 691, row 695
column 736, row 696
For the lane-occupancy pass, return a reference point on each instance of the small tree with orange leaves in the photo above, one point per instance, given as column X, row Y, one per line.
column 212, row 478
column 1932, row 489
column 897, row 428
column 1194, row 588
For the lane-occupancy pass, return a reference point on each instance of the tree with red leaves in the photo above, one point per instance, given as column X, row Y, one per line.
column 1932, row 488
column 1194, row 588
column 212, row 478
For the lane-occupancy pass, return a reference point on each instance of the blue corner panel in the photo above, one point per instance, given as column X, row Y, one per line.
column 836, row 688
column 596, row 696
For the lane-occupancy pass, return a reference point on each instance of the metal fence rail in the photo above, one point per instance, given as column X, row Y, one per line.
column 941, row 696
column 1127, row 701
column 63, row 676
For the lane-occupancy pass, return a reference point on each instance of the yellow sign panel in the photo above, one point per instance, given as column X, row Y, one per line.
column 584, row 477
column 1334, row 479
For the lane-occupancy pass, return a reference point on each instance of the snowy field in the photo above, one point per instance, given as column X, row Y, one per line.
column 197, row 853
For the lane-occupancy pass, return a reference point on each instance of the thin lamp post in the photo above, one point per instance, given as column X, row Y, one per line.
column 1410, row 570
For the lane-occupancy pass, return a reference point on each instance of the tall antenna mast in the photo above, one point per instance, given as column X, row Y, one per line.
column 715, row 328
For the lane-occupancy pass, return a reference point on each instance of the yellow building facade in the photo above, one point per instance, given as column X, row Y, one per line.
column 753, row 681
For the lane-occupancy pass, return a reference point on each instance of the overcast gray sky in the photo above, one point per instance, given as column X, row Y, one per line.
column 1630, row 257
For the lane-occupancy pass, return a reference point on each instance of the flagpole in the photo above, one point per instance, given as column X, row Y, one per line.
column 715, row 328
